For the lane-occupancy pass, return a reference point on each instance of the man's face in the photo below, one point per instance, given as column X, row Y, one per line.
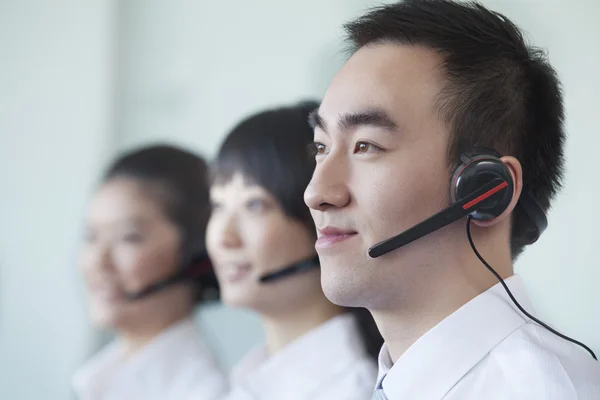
column 381, row 168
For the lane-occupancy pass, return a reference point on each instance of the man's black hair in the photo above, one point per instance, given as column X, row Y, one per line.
column 499, row 92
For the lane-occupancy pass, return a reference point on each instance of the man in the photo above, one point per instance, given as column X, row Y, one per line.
column 427, row 81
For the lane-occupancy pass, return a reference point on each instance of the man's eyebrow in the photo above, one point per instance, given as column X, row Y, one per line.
column 376, row 117
column 372, row 117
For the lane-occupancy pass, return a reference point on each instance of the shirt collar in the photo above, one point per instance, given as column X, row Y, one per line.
column 153, row 360
column 443, row 355
column 304, row 364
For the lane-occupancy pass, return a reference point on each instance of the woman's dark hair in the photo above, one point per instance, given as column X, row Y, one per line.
column 178, row 180
column 272, row 149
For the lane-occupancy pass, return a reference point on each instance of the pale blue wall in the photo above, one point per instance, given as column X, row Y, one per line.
column 186, row 76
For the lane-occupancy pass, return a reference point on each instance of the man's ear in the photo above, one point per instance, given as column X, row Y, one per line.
column 516, row 172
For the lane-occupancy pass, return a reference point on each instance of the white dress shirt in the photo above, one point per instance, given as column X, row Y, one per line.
column 176, row 365
column 489, row 350
column 326, row 363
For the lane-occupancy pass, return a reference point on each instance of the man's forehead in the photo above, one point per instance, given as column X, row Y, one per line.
column 391, row 60
column 385, row 76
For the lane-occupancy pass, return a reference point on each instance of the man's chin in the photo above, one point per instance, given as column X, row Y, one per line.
column 344, row 289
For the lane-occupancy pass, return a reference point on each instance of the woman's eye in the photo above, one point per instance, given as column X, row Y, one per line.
column 256, row 205
column 364, row 147
column 132, row 237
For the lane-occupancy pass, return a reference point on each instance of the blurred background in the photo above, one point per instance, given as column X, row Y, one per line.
column 82, row 81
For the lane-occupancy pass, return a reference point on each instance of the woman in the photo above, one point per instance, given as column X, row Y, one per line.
column 258, row 226
column 145, row 236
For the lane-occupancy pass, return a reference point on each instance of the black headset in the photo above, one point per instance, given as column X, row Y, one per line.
column 481, row 189
column 196, row 267
column 482, row 166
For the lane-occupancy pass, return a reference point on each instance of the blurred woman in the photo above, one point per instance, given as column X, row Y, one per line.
column 259, row 226
column 145, row 236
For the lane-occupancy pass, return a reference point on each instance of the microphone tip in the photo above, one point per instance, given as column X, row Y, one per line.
column 374, row 252
column 132, row 296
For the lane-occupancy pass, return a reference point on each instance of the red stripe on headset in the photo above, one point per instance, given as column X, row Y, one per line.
column 484, row 196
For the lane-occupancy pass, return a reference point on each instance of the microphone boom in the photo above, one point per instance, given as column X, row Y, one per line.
column 461, row 208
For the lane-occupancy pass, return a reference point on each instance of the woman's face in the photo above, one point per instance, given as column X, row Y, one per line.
column 129, row 245
column 249, row 235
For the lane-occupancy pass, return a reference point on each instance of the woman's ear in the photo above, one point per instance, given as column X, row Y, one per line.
column 516, row 172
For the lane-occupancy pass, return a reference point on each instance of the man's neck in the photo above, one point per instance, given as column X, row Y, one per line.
column 422, row 308
column 284, row 328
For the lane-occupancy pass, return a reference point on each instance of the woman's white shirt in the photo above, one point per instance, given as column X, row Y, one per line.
column 176, row 365
column 326, row 363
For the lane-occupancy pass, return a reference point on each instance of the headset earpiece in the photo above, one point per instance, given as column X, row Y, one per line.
column 485, row 163
column 477, row 171
column 195, row 267
column 198, row 268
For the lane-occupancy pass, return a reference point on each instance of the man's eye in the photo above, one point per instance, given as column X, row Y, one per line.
column 317, row 148
column 364, row 147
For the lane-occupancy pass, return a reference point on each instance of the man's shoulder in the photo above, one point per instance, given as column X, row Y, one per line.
column 533, row 344
column 534, row 363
